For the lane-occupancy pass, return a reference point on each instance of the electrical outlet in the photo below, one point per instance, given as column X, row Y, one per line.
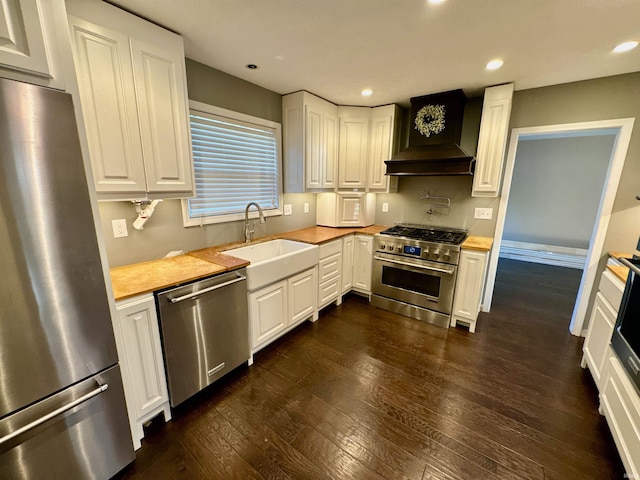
column 287, row 209
column 119, row 228
column 385, row 207
column 306, row 207
column 483, row 213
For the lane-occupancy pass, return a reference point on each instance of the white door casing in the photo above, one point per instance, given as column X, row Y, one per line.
column 622, row 128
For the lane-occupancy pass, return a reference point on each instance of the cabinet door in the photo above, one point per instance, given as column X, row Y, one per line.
column 22, row 38
column 601, row 323
column 160, row 84
column 330, row 145
column 268, row 313
column 313, row 148
column 142, row 356
column 302, row 295
column 347, row 263
column 494, row 128
column 469, row 285
column 379, row 151
column 363, row 253
column 354, row 142
column 105, row 80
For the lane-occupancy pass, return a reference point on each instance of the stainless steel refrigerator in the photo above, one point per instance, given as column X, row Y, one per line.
column 62, row 410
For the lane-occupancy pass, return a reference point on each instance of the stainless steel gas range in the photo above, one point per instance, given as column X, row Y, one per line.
column 414, row 271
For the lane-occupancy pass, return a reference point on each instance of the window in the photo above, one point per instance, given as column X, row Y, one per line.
column 236, row 161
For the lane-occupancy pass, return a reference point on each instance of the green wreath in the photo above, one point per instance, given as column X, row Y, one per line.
column 430, row 120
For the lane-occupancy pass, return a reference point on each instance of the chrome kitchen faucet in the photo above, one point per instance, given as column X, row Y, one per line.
column 249, row 228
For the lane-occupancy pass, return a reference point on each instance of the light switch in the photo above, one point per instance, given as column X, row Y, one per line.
column 119, row 228
column 287, row 209
column 306, row 207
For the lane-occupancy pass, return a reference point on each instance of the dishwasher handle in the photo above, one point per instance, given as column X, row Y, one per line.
column 239, row 278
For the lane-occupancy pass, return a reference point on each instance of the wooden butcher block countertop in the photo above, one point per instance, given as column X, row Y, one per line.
column 131, row 280
column 145, row 277
column 474, row 242
column 619, row 271
column 318, row 235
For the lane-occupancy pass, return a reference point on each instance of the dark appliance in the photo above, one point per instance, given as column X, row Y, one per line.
column 626, row 334
column 414, row 271
column 62, row 407
column 434, row 138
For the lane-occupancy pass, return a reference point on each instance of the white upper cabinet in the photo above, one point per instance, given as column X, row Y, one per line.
column 354, row 145
column 494, row 129
column 310, row 141
column 33, row 35
column 330, row 148
column 132, row 84
column 384, row 141
column 368, row 137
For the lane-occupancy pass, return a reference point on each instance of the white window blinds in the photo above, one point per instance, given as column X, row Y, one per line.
column 235, row 162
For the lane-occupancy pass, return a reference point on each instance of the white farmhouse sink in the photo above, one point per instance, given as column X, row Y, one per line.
column 275, row 260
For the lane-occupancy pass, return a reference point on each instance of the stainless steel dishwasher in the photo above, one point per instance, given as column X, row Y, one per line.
column 205, row 331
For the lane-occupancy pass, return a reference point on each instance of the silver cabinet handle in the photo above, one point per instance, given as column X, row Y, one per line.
column 55, row 413
column 240, row 278
column 634, row 367
column 448, row 271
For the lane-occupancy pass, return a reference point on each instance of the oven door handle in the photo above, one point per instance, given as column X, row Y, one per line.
column 630, row 265
column 448, row 271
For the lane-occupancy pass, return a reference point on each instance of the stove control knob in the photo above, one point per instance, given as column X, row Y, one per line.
column 382, row 246
column 446, row 254
column 390, row 248
column 436, row 253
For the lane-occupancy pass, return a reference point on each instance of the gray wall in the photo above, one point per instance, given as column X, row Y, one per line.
column 546, row 206
column 164, row 232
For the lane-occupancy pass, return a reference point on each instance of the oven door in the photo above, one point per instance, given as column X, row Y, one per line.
column 416, row 282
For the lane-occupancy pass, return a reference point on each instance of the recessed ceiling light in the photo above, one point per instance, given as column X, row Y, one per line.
column 367, row 92
column 436, row 2
column 625, row 47
column 494, row 64
column 252, row 66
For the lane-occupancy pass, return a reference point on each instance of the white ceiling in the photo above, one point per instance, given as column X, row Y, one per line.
column 401, row 48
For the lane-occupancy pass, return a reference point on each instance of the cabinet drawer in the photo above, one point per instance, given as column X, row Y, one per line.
column 621, row 405
column 611, row 288
column 596, row 345
column 329, row 267
column 330, row 248
column 328, row 292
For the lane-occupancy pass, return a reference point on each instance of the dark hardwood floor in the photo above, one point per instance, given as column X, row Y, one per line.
column 367, row 394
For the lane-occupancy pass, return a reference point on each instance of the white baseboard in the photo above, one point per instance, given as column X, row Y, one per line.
column 545, row 254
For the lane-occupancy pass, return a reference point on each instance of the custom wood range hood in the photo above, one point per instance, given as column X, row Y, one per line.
column 434, row 138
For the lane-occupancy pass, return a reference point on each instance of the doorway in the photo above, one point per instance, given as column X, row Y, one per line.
column 621, row 129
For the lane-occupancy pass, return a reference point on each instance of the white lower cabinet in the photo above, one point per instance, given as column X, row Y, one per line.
column 302, row 297
column 268, row 313
column 620, row 404
column 362, row 257
column 601, row 323
column 141, row 361
column 472, row 270
column 347, row 263
column 330, row 273
column 277, row 308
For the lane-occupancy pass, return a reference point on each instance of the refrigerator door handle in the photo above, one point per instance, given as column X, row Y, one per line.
column 55, row 413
